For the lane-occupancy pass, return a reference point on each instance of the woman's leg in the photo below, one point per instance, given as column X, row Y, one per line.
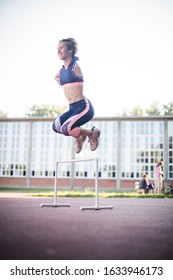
column 70, row 124
column 160, row 184
column 83, row 112
column 58, row 122
column 156, row 189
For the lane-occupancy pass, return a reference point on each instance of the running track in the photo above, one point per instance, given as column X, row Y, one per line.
column 139, row 228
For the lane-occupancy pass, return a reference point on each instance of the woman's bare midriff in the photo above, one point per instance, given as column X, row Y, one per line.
column 73, row 93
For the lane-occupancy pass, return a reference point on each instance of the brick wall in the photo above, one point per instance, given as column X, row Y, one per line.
column 49, row 182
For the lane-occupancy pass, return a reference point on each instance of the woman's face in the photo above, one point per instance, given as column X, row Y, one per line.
column 63, row 51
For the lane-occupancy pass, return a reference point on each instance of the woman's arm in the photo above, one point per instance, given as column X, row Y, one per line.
column 147, row 182
column 160, row 171
column 77, row 70
column 57, row 77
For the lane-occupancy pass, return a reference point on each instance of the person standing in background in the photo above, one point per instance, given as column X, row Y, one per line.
column 158, row 177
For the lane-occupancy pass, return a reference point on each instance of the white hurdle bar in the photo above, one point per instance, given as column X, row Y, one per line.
column 96, row 207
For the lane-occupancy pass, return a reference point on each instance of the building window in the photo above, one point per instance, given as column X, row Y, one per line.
column 142, row 147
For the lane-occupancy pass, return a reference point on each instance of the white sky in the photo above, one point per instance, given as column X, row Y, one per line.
column 125, row 50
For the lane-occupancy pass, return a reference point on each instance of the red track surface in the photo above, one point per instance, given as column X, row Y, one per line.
column 140, row 229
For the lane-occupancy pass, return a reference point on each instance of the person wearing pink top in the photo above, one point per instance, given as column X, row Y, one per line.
column 158, row 177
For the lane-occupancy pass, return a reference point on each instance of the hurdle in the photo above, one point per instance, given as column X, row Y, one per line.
column 96, row 206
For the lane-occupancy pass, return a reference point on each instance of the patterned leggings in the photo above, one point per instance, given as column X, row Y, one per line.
column 69, row 123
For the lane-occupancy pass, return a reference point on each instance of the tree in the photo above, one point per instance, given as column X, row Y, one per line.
column 3, row 114
column 45, row 110
column 125, row 112
column 168, row 109
column 154, row 109
column 137, row 111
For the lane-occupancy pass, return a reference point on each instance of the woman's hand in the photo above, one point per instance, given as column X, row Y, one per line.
column 57, row 77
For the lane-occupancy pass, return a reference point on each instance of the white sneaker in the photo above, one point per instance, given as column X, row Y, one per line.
column 78, row 145
column 94, row 139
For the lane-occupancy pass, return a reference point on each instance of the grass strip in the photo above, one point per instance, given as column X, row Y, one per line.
column 82, row 193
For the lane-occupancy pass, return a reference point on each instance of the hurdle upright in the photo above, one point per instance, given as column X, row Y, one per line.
column 96, row 206
column 55, row 203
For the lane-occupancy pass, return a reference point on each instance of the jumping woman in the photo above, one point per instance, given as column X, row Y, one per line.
column 80, row 110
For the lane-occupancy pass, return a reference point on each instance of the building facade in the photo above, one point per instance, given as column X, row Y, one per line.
column 129, row 146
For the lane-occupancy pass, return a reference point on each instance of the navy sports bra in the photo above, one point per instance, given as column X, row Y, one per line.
column 67, row 76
